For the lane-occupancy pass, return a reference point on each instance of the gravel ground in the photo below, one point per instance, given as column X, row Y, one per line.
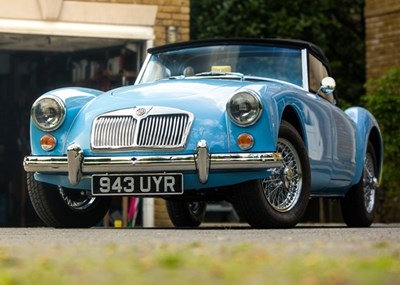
column 330, row 238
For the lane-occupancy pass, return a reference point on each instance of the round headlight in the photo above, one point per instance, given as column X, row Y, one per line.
column 48, row 113
column 244, row 108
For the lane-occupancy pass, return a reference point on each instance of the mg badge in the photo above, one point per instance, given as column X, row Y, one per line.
column 140, row 111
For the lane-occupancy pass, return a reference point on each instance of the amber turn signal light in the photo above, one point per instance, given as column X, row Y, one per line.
column 48, row 142
column 245, row 141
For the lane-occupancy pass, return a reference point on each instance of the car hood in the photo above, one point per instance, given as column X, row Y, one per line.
column 205, row 98
column 189, row 95
column 193, row 95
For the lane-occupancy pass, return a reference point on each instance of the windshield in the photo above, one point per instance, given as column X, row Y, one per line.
column 246, row 60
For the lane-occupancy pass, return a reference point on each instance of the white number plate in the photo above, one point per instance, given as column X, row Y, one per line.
column 137, row 184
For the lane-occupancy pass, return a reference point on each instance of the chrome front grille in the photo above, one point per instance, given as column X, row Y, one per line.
column 158, row 128
column 114, row 131
column 162, row 130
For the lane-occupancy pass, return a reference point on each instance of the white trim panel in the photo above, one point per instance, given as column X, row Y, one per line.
column 28, row 27
column 80, row 12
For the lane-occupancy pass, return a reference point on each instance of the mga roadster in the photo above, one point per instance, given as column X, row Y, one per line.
column 251, row 121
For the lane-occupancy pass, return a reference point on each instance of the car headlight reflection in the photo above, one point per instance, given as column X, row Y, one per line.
column 48, row 113
column 244, row 108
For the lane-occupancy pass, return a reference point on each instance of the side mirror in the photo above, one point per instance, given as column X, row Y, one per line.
column 328, row 85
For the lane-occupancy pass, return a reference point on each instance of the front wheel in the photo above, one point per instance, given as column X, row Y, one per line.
column 65, row 208
column 185, row 213
column 359, row 204
column 280, row 200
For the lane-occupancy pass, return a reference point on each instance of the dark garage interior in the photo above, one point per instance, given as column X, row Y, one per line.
column 31, row 66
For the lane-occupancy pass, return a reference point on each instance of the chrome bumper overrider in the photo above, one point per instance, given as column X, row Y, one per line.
column 75, row 164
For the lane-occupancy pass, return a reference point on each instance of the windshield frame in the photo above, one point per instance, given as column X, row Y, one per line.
column 302, row 52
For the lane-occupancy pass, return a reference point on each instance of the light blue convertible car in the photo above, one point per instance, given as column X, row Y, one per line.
column 251, row 121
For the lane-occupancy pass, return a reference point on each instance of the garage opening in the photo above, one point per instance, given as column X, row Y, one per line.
column 31, row 65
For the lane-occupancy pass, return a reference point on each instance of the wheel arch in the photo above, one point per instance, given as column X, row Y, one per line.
column 367, row 130
column 376, row 140
column 291, row 116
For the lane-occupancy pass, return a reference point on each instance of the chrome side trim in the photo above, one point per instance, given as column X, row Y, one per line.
column 202, row 162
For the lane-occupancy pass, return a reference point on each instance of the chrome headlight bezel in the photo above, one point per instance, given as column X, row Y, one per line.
column 244, row 108
column 51, row 107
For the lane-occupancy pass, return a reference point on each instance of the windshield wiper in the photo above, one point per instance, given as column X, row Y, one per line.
column 220, row 74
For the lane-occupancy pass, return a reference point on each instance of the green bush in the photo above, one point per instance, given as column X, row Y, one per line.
column 383, row 100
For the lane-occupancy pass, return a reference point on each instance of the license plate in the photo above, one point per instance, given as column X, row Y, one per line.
column 137, row 184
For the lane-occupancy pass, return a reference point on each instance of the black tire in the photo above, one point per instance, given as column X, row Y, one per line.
column 65, row 208
column 359, row 204
column 185, row 213
column 280, row 200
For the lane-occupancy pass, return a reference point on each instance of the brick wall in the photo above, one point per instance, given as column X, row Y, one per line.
column 174, row 13
column 382, row 19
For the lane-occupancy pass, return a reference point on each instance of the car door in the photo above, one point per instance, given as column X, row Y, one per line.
column 319, row 132
column 342, row 143
column 344, row 150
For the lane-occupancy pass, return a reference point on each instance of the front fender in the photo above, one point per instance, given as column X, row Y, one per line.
column 366, row 126
column 74, row 99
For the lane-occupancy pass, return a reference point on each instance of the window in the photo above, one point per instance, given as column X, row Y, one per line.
column 250, row 60
column 317, row 72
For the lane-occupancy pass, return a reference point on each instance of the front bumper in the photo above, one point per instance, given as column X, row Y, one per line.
column 75, row 164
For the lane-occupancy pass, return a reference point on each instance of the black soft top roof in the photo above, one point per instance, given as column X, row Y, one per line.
column 315, row 50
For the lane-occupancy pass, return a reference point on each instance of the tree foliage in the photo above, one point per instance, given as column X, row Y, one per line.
column 383, row 100
column 337, row 26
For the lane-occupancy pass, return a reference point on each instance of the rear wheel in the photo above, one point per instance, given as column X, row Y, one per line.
column 359, row 204
column 185, row 213
column 65, row 208
column 280, row 200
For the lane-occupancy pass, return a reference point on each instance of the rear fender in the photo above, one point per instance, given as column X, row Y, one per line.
column 367, row 130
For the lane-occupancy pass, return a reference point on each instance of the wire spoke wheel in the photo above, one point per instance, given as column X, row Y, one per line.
column 283, row 188
column 370, row 183
column 280, row 199
column 196, row 207
column 359, row 204
column 76, row 201
column 65, row 208
column 186, row 213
